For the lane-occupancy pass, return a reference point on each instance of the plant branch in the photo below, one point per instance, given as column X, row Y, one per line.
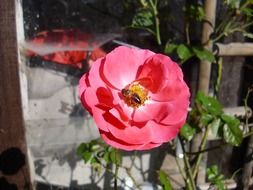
column 157, row 21
column 180, row 169
column 187, row 33
column 202, row 147
column 132, row 178
column 188, row 168
column 116, row 175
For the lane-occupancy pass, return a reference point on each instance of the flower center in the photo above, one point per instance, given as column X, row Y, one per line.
column 134, row 95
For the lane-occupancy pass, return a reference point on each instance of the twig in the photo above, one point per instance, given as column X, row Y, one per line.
column 188, row 168
column 132, row 178
column 157, row 21
column 116, row 175
column 180, row 169
column 203, row 145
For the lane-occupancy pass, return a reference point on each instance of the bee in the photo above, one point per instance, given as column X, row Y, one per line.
column 131, row 96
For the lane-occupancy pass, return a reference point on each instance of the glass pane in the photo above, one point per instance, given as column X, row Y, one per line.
column 62, row 39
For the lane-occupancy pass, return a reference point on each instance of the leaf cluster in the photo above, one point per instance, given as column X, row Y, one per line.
column 208, row 112
column 215, row 178
column 185, row 52
column 98, row 153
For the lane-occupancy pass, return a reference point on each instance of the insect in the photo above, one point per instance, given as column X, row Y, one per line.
column 131, row 97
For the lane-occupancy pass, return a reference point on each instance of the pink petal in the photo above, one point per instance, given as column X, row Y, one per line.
column 121, row 65
column 90, row 101
column 155, row 69
column 94, row 74
column 83, row 84
column 163, row 133
column 178, row 113
column 111, row 140
column 152, row 110
column 171, row 91
column 123, row 130
column 91, row 78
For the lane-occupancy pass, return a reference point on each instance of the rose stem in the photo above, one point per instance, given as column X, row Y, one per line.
column 202, row 147
column 116, row 176
column 188, row 168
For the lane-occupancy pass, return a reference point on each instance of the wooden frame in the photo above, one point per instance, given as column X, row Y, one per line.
column 14, row 160
column 231, row 49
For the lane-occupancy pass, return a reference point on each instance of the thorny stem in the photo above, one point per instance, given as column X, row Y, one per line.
column 132, row 178
column 246, row 105
column 143, row 3
column 206, row 150
column 157, row 21
column 202, row 147
column 190, row 184
column 224, row 33
column 245, row 4
column 187, row 25
column 115, row 177
column 178, row 164
column 180, row 169
column 219, row 72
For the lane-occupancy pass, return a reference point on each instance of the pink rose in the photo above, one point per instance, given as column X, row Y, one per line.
column 137, row 98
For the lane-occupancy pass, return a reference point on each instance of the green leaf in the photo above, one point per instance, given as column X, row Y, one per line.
column 231, row 131
column 215, row 125
column 86, row 156
column 81, row 148
column 184, row 52
column 95, row 161
column 212, row 172
column 115, row 157
column 187, row 132
column 209, row 104
column 195, row 12
column 248, row 35
column 164, row 181
column 233, row 3
column 107, row 157
column 143, row 18
column 247, row 11
column 170, row 48
column 205, row 118
column 204, row 54
column 200, row 13
column 215, row 178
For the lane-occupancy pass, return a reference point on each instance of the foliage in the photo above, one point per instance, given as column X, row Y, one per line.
column 98, row 154
column 164, row 180
column 208, row 112
column 215, row 178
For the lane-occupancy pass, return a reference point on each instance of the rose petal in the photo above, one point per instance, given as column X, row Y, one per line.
column 111, row 140
column 172, row 90
column 90, row 100
column 83, row 84
column 152, row 110
column 91, row 78
column 163, row 133
column 155, row 69
column 123, row 130
column 178, row 113
column 121, row 65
